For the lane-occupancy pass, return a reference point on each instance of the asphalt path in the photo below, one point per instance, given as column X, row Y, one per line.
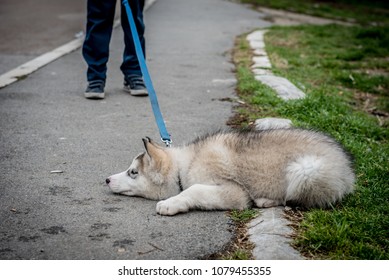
column 47, row 125
column 29, row 28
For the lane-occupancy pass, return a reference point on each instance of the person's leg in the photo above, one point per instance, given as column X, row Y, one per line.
column 133, row 82
column 130, row 65
column 100, row 16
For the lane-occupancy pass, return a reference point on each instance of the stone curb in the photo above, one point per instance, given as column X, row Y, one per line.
column 271, row 235
column 262, row 69
column 269, row 231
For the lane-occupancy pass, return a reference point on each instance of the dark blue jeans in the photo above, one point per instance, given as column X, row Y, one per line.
column 100, row 17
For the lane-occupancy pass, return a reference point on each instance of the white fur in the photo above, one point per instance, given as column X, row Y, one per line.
column 198, row 196
column 235, row 170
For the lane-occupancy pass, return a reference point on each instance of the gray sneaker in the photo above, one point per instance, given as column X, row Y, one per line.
column 135, row 86
column 95, row 90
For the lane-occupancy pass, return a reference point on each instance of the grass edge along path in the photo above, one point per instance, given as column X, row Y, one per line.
column 358, row 227
column 364, row 12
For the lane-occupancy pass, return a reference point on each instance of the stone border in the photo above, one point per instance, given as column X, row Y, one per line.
column 269, row 231
column 271, row 235
column 262, row 69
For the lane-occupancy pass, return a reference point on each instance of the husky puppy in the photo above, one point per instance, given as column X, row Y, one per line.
column 236, row 170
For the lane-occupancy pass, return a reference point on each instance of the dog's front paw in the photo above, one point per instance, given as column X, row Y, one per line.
column 171, row 206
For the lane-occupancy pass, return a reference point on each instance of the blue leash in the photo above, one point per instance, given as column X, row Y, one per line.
column 165, row 136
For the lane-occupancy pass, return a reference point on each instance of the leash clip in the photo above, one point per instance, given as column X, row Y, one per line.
column 167, row 142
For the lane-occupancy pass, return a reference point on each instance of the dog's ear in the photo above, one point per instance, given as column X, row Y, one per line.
column 157, row 154
column 150, row 146
column 146, row 141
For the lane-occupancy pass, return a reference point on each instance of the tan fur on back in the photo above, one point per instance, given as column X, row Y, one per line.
column 258, row 162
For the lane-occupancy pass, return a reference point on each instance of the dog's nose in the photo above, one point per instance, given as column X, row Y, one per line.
column 107, row 181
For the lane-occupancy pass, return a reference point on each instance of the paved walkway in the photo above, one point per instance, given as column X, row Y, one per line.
column 47, row 125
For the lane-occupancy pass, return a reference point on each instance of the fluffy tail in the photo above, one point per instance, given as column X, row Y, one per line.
column 315, row 182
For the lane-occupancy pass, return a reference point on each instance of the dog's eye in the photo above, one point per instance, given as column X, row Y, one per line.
column 133, row 173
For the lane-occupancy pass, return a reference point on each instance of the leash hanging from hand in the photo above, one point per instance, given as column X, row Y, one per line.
column 165, row 136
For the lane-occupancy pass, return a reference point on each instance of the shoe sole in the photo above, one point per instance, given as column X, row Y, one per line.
column 136, row 92
column 94, row 95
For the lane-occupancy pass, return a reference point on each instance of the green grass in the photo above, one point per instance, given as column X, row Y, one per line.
column 321, row 59
column 372, row 12
column 344, row 72
column 246, row 215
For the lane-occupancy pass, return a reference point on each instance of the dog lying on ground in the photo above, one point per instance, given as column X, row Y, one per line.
column 237, row 170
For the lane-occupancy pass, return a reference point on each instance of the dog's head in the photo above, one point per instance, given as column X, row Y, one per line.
column 150, row 175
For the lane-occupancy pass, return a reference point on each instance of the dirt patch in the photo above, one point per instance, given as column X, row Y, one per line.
column 368, row 103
